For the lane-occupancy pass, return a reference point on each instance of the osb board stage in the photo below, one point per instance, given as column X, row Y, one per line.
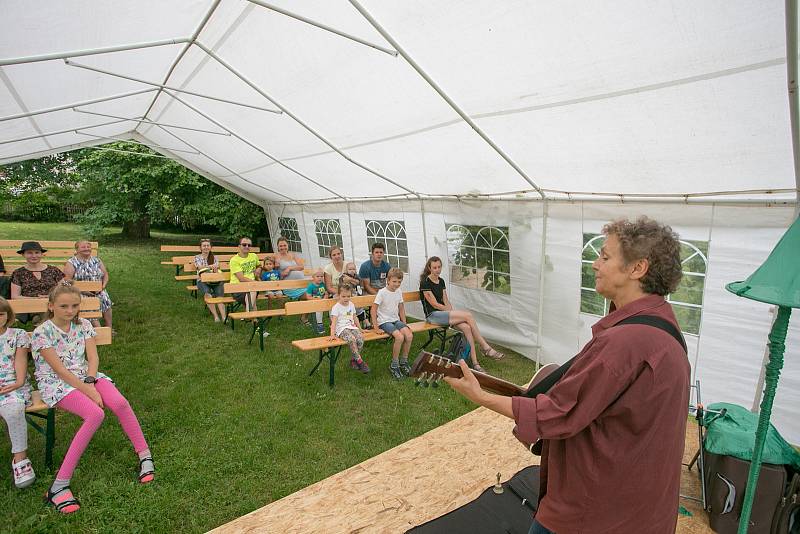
column 422, row 479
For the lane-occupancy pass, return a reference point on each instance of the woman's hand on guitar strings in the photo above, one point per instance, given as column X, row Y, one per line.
column 467, row 385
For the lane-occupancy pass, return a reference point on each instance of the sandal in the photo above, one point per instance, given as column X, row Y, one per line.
column 146, row 477
column 479, row 369
column 493, row 354
column 66, row 505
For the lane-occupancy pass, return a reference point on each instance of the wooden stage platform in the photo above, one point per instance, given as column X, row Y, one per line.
column 420, row 480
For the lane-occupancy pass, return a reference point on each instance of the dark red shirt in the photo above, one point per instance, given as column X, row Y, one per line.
column 615, row 427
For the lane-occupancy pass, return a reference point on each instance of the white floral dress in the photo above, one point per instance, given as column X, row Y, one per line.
column 90, row 270
column 10, row 341
column 71, row 349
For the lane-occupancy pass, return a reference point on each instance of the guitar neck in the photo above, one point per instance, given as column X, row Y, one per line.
column 431, row 367
column 498, row 385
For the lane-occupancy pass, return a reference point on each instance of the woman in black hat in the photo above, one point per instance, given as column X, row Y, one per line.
column 34, row 279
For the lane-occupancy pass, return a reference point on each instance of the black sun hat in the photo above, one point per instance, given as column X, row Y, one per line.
column 31, row 245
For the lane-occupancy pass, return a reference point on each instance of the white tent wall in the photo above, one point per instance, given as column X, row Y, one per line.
column 727, row 354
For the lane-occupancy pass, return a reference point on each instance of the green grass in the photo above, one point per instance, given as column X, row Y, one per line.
column 231, row 428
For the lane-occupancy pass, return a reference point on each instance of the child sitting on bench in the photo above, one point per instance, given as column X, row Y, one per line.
column 344, row 325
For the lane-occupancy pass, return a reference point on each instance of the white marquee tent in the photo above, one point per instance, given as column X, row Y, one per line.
column 508, row 131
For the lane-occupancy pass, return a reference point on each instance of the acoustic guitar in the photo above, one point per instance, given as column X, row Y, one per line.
column 429, row 369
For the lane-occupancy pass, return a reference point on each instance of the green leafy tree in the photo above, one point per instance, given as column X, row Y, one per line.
column 137, row 189
column 54, row 173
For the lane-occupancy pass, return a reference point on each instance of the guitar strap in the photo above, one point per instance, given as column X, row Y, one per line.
column 650, row 320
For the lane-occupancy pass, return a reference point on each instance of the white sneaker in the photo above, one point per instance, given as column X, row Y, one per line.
column 23, row 473
column 265, row 334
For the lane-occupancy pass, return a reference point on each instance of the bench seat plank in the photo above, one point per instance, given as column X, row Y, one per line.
column 325, row 342
column 258, row 314
column 196, row 248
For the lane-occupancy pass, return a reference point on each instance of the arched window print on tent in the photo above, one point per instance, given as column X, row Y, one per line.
column 479, row 257
column 393, row 235
column 687, row 300
column 287, row 226
column 329, row 234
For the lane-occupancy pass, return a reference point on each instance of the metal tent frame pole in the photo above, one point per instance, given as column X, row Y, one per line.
column 794, row 98
column 74, row 105
column 323, row 27
column 144, row 155
column 132, row 140
column 183, row 51
column 542, row 261
column 171, row 88
column 252, row 145
column 222, row 165
column 148, row 121
column 90, row 51
column 210, row 177
column 59, row 132
column 308, row 128
column 444, row 96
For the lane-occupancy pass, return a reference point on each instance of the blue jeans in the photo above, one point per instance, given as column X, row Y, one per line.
column 537, row 528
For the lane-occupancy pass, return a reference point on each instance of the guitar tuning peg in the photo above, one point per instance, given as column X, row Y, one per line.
column 448, row 364
column 420, row 378
column 430, row 360
column 437, row 380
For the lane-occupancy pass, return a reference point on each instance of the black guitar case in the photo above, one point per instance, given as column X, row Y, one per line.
column 508, row 513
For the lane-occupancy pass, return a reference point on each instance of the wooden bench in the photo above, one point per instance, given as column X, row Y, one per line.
column 180, row 261
column 196, row 248
column 260, row 318
column 331, row 348
column 90, row 306
column 58, row 252
column 39, row 410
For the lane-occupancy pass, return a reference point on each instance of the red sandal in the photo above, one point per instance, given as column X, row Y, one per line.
column 65, row 504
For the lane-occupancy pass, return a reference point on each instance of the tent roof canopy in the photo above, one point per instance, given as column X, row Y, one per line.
column 334, row 100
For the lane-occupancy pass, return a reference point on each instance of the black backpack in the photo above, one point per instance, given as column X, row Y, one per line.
column 458, row 349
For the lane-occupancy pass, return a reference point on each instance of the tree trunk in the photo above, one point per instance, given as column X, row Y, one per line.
column 139, row 228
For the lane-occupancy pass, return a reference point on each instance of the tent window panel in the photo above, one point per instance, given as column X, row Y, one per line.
column 329, row 234
column 592, row 302
column 479, row 257
column 393, row 236
column 688, row 318
column 288, row 229
column 687, row 300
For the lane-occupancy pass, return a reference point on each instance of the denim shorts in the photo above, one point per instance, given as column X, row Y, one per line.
column 442, row 318
column 391, row 327
column 213, row 289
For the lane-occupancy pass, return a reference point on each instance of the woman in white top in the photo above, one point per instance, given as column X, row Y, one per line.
column 333, row 271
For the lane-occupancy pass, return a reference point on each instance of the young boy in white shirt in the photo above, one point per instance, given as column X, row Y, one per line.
column 389, row 315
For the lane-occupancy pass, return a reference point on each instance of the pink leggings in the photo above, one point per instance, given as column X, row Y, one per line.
column 76, row 402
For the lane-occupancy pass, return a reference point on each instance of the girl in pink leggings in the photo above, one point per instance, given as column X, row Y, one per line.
column 65, row 355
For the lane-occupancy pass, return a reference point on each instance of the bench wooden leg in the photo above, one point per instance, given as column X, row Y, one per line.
column 440, row 334
column 333, row 356
column 252, row 335
column 322, row 353
column 262, row 327
column 49, row 433
column 50, row 438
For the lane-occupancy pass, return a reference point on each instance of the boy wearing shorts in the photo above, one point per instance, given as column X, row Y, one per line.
column 389, row 315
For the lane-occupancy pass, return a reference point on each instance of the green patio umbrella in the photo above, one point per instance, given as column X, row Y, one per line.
column 777, row 282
